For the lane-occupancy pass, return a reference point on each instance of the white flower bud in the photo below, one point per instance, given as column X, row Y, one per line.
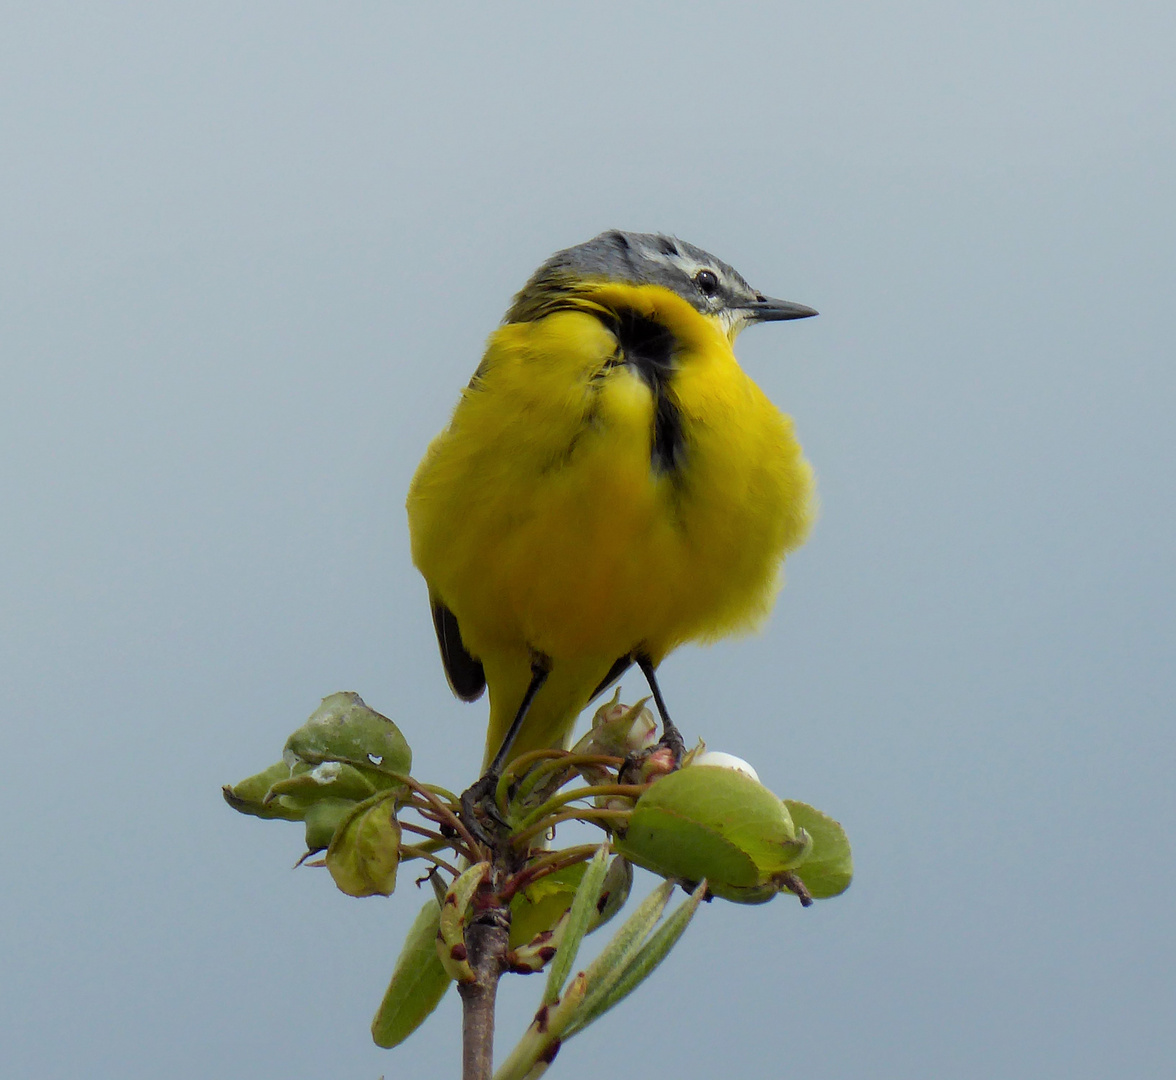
column 725, row 761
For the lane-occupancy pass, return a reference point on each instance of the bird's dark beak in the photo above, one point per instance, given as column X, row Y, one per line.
column 765, row 309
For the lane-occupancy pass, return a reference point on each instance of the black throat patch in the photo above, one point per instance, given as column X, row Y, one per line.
column 648, row 348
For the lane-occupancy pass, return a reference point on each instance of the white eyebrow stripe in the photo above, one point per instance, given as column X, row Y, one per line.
column 679, row 262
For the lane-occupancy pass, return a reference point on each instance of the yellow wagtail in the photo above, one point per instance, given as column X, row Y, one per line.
column 610, row 486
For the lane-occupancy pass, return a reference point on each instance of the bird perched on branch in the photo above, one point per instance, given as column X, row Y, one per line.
column 610, row 486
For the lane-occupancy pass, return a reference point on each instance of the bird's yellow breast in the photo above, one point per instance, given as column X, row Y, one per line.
column 540, row 519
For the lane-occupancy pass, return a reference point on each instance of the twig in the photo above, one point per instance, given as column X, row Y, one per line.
column 434, row 838
column 447, row 816
column 629, row 791
column 594, row 817
column 487, row 939
column 411, row 851
column 567, row 761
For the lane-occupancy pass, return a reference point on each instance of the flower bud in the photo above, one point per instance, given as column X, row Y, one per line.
column 725, row 761
column 660, row 762
column 619, row 729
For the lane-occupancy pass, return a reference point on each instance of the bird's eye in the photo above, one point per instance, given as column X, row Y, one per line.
column 707, row 282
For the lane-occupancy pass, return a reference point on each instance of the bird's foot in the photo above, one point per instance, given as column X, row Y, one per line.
column 478, row 803
column 672, row 740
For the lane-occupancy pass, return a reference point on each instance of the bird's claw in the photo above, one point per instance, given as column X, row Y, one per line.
column 477, row 802
column 672, row 740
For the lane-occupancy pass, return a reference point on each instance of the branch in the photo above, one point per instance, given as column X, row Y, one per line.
column 487, row 940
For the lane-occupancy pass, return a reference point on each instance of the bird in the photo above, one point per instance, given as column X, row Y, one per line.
column 611, row 485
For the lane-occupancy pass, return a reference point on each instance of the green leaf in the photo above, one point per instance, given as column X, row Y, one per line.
column 456, row 909
column 541, row 1041
column 322, row 820
column 539, row 906
column 828, row 869
column 330, row 780
column 705, row 821
column 418, row 982
column 364, row 852
column 248, row 797
column 344, row 729
column 642, row 965
column 675, row 847
column 582, row 913
column 616, row 956
column 618, row 883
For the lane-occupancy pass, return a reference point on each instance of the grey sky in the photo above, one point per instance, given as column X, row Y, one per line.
column 247, row 259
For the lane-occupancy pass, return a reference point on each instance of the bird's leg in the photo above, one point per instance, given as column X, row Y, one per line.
column 671, row 736
column 480, row 795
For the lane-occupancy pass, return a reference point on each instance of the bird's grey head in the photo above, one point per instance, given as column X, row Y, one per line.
column 707, row 283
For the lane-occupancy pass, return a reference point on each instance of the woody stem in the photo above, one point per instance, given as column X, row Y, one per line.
column 487, row 940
